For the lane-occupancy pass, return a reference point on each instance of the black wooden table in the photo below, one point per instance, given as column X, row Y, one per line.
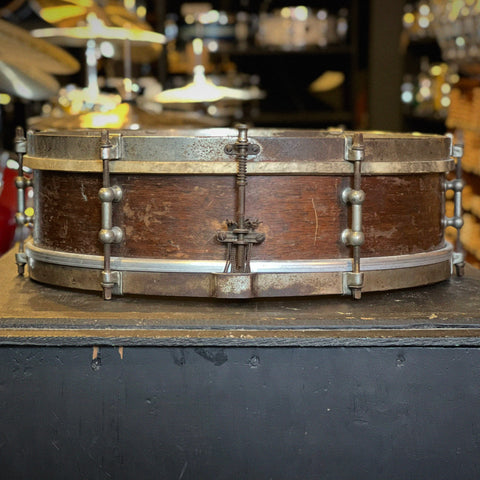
column 444, row 314
column 300, row 388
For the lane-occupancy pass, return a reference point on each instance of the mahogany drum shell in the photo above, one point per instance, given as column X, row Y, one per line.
column 177, row 216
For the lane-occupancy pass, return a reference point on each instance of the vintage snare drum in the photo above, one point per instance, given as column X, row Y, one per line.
column 236, row 214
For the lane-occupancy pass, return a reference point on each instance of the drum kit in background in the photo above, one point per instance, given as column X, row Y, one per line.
column 30, row 60
column 227, row 213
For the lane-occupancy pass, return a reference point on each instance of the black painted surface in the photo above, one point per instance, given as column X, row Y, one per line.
column 444, row 314
column 240, row 413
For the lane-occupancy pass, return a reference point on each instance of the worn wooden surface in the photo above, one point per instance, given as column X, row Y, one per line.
column 447, row 313
column 177, row 217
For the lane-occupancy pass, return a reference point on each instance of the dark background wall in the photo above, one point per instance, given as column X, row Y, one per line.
column 240, row 413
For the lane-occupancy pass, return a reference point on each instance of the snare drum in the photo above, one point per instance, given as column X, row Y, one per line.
column 221, row 213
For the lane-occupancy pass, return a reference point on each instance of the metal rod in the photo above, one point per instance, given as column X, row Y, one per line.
column 106, row 145
column 242, row 149
column 20, row 182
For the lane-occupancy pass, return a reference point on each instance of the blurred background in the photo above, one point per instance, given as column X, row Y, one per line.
column 147, row 64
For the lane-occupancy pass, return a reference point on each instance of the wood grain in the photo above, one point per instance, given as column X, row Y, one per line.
column 177, row 216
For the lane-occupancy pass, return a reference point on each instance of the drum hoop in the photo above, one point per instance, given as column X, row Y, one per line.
column 230, row 168
column 35, row 253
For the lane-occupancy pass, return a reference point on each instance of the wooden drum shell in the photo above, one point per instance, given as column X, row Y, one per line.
column 177, row 217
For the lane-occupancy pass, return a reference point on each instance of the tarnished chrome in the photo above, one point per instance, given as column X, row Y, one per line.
column 325, row 277
column 111, row 149
column 21, row 183
column 108, row 233
column 113, row 281
column 354, row 237
column 306, row 152
column 109, row 194
column 36, row 253
column 155, row 166
column 241, row 235
column 457, row 185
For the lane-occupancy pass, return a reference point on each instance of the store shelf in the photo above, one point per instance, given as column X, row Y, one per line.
column 286, row 72
column 273, row 51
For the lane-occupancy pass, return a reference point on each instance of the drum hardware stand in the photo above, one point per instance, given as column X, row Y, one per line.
column 109, row 234
column 21, row 182
column 241, row 232
column 354, row 237
column 456, row 185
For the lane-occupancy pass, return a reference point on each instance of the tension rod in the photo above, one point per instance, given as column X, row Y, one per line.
column 108, row 233
column 355, row 196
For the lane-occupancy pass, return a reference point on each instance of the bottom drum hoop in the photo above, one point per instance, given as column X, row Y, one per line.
column 268, row 279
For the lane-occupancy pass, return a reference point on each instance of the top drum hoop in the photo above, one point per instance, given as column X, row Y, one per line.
column 321, row 212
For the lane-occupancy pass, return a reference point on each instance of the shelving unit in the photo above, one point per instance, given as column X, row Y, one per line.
column 413, row 119
column 285, row 74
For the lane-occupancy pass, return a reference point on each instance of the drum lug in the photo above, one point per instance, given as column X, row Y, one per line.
column 109, row 234
column 354, row 237
column 456, row 185
column 241, row 235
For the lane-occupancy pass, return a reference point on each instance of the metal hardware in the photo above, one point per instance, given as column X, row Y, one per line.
column 456, row 185
column 241, row 233
column 154, row 277
column 155, row 265
column 108, row 233
column 21, row 182
column 354, row 237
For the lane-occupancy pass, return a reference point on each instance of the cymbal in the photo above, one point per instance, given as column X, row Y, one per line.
column 79, row 36
column 65, row 13
column 203, row 90
column 124, row 116
column 69, row 13
column 146, row 45
column 27, row 82
column 119, row 16
column 18, row 46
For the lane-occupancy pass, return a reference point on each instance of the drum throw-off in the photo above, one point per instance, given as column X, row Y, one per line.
column 241, row 233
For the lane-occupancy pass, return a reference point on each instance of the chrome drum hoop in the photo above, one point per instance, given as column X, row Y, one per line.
column 268, row 279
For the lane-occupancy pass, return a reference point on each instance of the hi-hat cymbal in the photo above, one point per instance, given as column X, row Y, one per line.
column 18, row 46
column 27, row 82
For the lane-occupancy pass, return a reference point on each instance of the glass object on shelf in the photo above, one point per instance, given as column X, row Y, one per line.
column 457, row 29
column 428, row 93
column 299, row 27
column 418, row 19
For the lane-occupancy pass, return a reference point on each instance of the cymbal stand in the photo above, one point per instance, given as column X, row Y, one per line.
column 92, row 70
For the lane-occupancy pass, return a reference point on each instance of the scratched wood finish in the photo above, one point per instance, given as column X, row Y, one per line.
column 177, row 216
